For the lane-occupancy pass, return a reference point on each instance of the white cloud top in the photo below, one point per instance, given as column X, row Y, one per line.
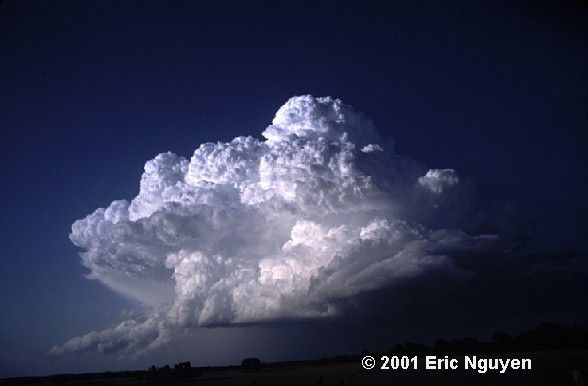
column 288, row 227
column 439, row 180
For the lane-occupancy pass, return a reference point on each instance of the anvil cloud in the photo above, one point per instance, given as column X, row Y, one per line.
column 287, row 227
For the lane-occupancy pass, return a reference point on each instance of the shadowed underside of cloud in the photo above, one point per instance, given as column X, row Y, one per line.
column 290, row 227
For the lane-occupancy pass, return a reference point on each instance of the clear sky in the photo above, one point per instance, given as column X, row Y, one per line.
column 89, row 91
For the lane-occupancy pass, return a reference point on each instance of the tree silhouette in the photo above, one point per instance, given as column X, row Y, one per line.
column 251, row 364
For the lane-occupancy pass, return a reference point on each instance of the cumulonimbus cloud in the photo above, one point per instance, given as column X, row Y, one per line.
column 287, row 227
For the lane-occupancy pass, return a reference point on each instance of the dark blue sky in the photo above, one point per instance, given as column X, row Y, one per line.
column 91, row 90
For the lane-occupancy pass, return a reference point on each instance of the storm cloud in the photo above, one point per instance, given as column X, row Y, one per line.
column 294, row 226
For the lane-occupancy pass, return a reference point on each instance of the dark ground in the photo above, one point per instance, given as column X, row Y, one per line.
column 562, row 367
